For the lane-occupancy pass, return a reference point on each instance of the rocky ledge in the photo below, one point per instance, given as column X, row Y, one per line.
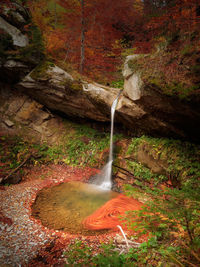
column 141, row 109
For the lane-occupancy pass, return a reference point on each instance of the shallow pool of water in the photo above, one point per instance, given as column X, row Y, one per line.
column 65, row 206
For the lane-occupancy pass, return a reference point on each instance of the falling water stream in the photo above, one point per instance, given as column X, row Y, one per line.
column 104, row 179
column 65, row 206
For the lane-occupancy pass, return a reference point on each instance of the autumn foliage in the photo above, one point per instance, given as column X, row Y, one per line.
column 95, row 33
column 178, row 15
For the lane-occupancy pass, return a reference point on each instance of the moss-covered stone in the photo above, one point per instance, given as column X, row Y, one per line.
column 41, row 70
column 172, row 71
column 178, row 161
column 173, row 88
column 134, row 65
column 72, row 85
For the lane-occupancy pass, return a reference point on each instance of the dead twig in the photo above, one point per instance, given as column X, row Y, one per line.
column 191, row 250
column 16, row 169
column 126, row 172
column 128, row 242
column 123, row 236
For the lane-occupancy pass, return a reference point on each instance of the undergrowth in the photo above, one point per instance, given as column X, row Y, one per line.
column 172, row 213
column 79, row 254
column 81, row 146
column 181, row 160
column 84, row 145
column 171, row 217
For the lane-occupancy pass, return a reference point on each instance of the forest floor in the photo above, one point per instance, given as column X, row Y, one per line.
column 26, row 168
column 24, row 240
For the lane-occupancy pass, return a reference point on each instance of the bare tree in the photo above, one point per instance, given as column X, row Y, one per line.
column 82, row 35
column 55, row 15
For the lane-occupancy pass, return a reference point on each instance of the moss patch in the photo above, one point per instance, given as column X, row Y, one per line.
column 181, row 160
column 41, row 70
column 86, row 146
column 134, row 64
column 174, row 69
column 73, row 85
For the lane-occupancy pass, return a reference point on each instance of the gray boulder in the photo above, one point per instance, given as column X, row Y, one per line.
column 19, row 39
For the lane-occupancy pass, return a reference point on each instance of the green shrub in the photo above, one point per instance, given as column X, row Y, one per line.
column 79, row 254
column 118, row 84
column 173, row 218
column 182, row 160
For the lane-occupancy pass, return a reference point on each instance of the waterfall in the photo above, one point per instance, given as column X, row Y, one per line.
column 104, row 179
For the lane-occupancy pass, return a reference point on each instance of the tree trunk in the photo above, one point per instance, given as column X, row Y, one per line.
column 55, row 15
column 82, row 36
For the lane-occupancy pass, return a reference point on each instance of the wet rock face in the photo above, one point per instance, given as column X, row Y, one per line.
column 152, row 113
column 12, row 22
column 15, row 14
column 18, row 54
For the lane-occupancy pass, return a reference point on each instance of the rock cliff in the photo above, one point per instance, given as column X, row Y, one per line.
column 150, row 113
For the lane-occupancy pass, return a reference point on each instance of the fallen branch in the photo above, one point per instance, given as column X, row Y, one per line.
column 16, row 169
column 123, row 236
column 128, row 242
column 191, row 250
column 126, row 172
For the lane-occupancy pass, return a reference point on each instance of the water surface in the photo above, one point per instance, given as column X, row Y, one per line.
column 65, row 206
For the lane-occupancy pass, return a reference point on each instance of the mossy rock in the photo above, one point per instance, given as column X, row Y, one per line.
column 41, row 70
column 73, row 85
column 179, row 160
column 30, row 54
column 134, row 65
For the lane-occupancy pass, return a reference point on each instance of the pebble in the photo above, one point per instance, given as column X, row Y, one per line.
column 21, row 241
column 9, row 228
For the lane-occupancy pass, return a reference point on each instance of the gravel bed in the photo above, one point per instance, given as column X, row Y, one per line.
column 21, row 240
column 21, row 236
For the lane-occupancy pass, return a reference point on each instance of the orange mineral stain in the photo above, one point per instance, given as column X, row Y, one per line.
column 107, row 216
